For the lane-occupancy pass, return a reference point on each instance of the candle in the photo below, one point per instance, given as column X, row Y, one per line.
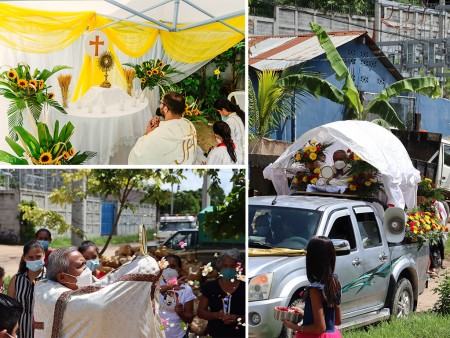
column 89, row 108
column 103, row 107
column 121, row 105
column 79, row 104
column 133, row 102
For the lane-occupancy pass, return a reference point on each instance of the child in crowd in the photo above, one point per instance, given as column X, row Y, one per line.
column 10, row 311
column 89, row 250
column 225, row 151
column 21, row 286
column 44, row 237
column 323, row 296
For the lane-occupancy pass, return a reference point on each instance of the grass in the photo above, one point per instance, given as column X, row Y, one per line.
column 100, row 241
column 418, row 325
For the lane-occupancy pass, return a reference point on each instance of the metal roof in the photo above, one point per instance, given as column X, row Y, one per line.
column 280, row 52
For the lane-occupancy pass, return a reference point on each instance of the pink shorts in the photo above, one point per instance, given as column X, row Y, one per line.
column 335, row 334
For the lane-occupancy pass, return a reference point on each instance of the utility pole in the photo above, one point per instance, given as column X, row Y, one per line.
column 79, row 213
column 206, row 199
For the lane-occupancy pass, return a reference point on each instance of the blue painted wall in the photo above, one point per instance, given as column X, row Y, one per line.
column 369, row 75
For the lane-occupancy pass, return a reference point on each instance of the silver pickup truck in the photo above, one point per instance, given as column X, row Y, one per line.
column 378, row 278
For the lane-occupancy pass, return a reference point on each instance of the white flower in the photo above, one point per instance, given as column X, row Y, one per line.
column 207, row 269
column 163, row 263
column 216, row 255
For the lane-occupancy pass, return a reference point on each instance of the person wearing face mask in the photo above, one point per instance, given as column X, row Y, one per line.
column 172, row 141
column 44, row 237
column 222, row 301
column 340, row 167
column 90, row 253
column 21, row 286
column 176, row 299
column 73, row 303
column 225, row 151
column 262, row 226
column 10, row 312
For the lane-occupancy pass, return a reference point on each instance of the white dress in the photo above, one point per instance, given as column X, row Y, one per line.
column 219, row 155
column 237, row 132
column 172, row 142
column 170, row 320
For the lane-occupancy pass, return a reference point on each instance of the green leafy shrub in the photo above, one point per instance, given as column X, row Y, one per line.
column 442, row 306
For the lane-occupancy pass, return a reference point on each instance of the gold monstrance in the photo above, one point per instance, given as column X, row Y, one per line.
column 106, row 63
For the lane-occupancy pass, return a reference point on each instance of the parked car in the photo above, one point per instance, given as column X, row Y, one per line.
column 380, row 274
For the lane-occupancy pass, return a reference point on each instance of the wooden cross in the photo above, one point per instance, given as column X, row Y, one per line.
column 96, row 43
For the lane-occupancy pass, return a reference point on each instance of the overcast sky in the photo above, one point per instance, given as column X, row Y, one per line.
column 194, row 182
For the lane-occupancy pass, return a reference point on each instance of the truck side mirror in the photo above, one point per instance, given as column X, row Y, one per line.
column 341, row 246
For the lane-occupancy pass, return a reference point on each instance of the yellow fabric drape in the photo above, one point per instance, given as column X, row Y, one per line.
column 41, row 31
column 132, row 39
column 202, row 43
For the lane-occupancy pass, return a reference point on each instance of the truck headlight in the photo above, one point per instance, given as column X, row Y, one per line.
column 259, row 287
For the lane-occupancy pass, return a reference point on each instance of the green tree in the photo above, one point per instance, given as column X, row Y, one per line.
column 217, row 195
column 27, row 227
column 349, row 95
column 187, row 202
column 117, row 183
column 227, row 220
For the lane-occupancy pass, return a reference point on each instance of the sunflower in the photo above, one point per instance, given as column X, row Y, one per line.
column 149, row 72
column 71, row 151
column 41, row 84
column 51, row 96
column 58, row 163
column 217, row 71
column 142, row 80
column 12, row 74
column 155, row 71
column 22, row 83
column 160, row 64
column 46, row 158
column 66, row 155
column 33, row 83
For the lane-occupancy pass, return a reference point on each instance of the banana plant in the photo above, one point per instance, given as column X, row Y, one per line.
column 349, row 95
column 46, row 148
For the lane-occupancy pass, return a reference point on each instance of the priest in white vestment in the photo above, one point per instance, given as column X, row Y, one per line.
column 122, row 304
column 172, row 141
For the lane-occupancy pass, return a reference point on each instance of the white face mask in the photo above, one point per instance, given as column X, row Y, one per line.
column 85, row 279
column 169, row 273
column 339, row 165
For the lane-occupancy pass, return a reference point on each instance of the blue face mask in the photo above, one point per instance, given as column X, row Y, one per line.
column 228, row 273
column 224, row 118
column 44, row 244
column 34, row 265
column 92, row 264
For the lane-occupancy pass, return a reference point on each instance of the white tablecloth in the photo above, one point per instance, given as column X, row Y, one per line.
column 111, row 134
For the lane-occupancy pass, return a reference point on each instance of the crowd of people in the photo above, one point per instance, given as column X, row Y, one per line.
column 173, row 139
column 54, row 289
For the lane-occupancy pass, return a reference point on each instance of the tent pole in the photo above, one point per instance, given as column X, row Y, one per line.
column 129, row 17
column 176, row 7
column 212, row 16
column 145, row 17
column 217, row 19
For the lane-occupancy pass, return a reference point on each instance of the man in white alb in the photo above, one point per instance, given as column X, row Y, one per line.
column 172, row 141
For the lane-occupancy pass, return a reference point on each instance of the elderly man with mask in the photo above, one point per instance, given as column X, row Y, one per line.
column 71, row 303
column 172, row 141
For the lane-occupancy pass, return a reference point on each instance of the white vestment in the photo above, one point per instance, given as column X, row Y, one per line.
column 126, row 307
column 173, row 142
column 237, row 132
column 219, row 155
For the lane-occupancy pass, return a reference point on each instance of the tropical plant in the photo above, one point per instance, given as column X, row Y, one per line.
column 153, row 73
column 46, row 149
column 276, row 100
column 192, row 111
column 349, row 95
column 27, row 89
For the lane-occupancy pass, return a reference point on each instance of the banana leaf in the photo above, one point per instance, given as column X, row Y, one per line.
column 45, row 74
column 79, row 158
column 15, row 146
column 29, row 140
column 8, row 158
column 387, row 113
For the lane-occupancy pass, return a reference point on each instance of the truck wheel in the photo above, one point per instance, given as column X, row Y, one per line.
column 297, row 302
column 402, row 301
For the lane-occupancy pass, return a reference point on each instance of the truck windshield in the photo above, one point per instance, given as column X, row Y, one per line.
column 174, row 226
column 279, row 227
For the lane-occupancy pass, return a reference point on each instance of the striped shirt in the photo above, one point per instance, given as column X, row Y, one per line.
column 24, row 295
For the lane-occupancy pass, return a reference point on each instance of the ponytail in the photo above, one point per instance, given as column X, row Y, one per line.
column 223, row 130
column 229, row 106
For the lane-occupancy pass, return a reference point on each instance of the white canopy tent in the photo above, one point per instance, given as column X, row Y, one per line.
column 372, row 143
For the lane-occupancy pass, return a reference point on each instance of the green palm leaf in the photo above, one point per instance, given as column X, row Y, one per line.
column 8, row 158
column 15, row 146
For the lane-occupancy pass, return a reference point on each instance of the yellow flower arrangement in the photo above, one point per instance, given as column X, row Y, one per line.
column 191, row 111
column 363, row 177
column 153, row 73
column 425, row 225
